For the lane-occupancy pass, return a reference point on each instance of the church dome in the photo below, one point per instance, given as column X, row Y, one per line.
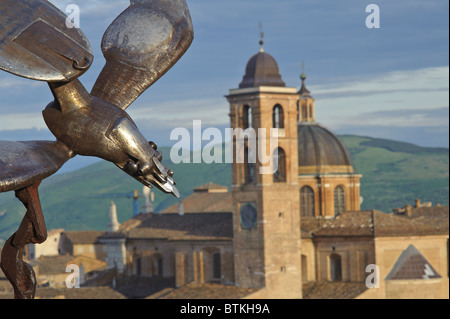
column 320, row 151
column 262, row 70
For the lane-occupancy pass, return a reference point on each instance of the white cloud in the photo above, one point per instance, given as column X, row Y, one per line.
column 346, row 101
column 21, row 121
column 181, row 113
column 426, row 118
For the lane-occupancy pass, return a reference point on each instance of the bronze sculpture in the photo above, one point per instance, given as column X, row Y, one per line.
column 142, row 43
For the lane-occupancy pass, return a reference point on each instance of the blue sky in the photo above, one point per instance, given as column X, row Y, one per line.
column 390, row 82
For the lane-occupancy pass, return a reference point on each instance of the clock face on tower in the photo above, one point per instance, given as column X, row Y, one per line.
column 248, row 215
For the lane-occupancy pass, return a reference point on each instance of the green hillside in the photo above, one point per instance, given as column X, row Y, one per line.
column 71, row 201
column 394, row 174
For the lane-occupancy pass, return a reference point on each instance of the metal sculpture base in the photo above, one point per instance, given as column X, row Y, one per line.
column 32, row 230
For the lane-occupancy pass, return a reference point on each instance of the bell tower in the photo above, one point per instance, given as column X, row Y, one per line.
column 266, row 222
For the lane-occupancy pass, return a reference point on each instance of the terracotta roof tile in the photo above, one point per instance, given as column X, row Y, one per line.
column 437, row 217
column 309, row 225
column 200, row 226
column 392, row 225
column 53, row 265
column 205, row 291
column 348, row 224
column 78, row 293
column 374, row 223
column 57, row 264
column 204, row 202
column 333, row 290
column 412, row 265
column 83, row 237
column 141, row 287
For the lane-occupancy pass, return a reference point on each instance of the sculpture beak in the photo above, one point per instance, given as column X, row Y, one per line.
column 164, row 180
column 153, row 174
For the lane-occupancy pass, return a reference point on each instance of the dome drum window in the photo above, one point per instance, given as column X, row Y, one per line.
column 339, row 200
column 307, row 202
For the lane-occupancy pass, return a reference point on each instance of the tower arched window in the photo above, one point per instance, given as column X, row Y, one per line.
column 249, row 168
column 278, row 116
column 247, row 118
column 280, row 159
column 339, row 200
column 307, row 201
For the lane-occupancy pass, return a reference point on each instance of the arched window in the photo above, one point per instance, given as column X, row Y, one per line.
column 339, row 200
column 278, row 116
column 335, row 267
column 247, row 118
column 249, row 168
column 280, row 158
column 307, row 202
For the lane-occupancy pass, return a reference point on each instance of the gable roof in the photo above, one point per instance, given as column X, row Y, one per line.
column 332, row 289
column 205, row 202
column 412, row 265
column 51, row 265
column 392, row 225
column 204, row 291
column 200, row 226
column 374, row 224
column 78, row 293
column 83, row 237
column 436, row 216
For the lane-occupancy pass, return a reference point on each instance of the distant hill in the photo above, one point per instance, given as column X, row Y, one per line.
column 394, row 174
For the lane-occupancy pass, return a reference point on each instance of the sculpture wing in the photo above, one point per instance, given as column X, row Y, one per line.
column 36, row 42
column 25, row 163
column 140, row 46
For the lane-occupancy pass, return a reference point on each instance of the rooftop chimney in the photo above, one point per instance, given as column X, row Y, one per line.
column 408, row 210
column 418, row 204
column 180, row 209
column 113, row 225
column 147, row 208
